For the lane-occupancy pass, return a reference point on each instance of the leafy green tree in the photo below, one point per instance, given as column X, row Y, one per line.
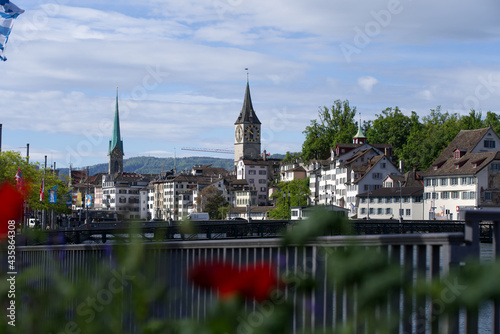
column 492, row 120
column 392, row 127
column 210, row 200
column 426, row 143
column 289, row 157
column 336, row 125
column 32, row 176
column 472, row 121
column 290, row 194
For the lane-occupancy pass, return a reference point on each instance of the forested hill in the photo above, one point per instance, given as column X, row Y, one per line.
column 152, row 165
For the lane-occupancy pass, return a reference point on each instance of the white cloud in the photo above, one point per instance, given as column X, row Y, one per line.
column 180, row 66
column 367, row 83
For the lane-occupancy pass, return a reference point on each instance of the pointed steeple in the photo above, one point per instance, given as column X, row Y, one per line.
column 116, row 140
column 247, row 114
column 359, row 137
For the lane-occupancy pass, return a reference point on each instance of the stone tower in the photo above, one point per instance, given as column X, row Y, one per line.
column 247, row 131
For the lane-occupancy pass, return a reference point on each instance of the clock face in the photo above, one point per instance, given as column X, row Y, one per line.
column 252, row 133
column 238, row 135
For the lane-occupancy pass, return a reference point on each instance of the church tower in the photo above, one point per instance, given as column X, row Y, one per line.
column 247, row 131
column 116, row 145
column 360, row 137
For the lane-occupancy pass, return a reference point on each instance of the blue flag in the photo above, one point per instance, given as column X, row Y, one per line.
column 53, row 195
column 69, row 198
column 89, row 200
column 8, row 13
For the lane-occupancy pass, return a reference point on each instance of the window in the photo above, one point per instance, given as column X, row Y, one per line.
column 406, row 199
column 444, row 182
column 252, row 172
column 363, row 211
column 434, row 182
column 388, row 211
column 465, row 195
column 388, row 184
column 408, row 212
column 495, row 166
column 262, row 172
column 379, row 211
column 377, row 176
column 488, row 196
column 445, row 195
column 427, row 182
column 472, row 195
column 454, row 181
column 463, row 180
column 488, row 143
column 372, row 211
column 262, row 181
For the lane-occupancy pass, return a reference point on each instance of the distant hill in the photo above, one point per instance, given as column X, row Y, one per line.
column 151, row 165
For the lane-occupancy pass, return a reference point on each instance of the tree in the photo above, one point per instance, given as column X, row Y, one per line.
column 33, row 175
column 426, row 142
column 392, row 127
column 295, row 192
column 472, row 121
column 492, row 120
column 210, row 200
column 336, row 125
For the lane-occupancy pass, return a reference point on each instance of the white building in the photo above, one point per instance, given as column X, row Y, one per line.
column 399, row 198
column 121, row 193
column 351, row 169
column 465, row 176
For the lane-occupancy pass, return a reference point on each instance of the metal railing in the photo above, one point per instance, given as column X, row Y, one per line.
column 430, row 255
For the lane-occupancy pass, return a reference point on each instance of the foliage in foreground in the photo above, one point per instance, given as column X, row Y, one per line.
column 122, row 285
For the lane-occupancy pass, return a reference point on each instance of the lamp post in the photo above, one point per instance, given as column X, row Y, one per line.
column 368, row 210
column 400, row 203
column 289, row 206
column 284, row 204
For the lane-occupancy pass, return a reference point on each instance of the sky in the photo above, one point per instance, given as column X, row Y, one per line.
column 180, row 70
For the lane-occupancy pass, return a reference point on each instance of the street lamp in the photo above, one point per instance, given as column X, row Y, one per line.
column 368, row 210
column 284, row 204
column 400, row 203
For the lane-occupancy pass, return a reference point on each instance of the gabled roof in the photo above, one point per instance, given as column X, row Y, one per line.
column 369, row 166
column 465, row 142
column 247, row 114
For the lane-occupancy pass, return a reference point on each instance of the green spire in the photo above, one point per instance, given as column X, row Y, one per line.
column 116, row 138
column 360, row 133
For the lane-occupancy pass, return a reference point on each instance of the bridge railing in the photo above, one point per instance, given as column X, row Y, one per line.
column 425, row 255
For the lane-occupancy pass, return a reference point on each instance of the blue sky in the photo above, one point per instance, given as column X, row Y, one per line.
column 180, row 69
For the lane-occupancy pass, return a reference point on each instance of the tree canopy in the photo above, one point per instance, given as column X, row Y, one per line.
column 334, row 125
column 32, row 176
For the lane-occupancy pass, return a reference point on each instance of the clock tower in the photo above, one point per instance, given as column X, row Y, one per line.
column 247, row 131
column 116, row 145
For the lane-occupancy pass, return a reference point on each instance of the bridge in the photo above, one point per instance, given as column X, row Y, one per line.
column 154, row 267
column 113, row 231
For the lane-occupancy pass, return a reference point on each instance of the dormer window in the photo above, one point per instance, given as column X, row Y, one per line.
column 458, row 153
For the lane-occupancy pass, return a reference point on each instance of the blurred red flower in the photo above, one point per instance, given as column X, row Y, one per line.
column 11, row 207
column 255, row 281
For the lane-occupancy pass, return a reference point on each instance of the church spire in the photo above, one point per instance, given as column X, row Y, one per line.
column 116, row 140
column 360, row 137
column 247, row 114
